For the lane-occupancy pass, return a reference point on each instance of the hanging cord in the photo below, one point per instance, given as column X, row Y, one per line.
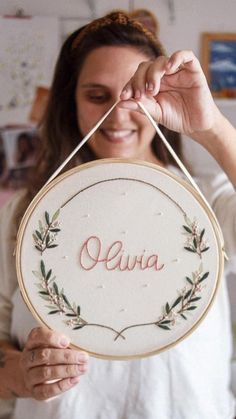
column 169, row 148
column 174, row 155
column 184, row 170
column 78, row 147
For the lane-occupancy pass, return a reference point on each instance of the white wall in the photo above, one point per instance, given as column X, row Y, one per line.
column 191, row 17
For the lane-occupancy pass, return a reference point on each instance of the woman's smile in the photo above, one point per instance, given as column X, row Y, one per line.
column 118, row 135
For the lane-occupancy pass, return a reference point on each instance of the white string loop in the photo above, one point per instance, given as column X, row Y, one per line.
column 167, row 145
column 80, row 145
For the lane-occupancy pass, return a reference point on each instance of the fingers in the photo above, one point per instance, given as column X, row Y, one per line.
column 137, row 86
column 182, row 60
column 154, row 76
column 129, row 104
column 49, row 366
column 146, row 80
column 47, row 391
column 148, row 101
column 50, row 356
column 42, row 337
column 47, row 373
column 151, row 77
column 59, row 370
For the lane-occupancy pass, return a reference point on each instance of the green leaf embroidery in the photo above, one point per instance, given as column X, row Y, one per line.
column 56, row 215
column 42, row 267
column 47, row 218
column 163, row 327
column 187, row 229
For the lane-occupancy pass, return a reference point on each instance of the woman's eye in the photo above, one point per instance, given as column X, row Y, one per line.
column 98, row 98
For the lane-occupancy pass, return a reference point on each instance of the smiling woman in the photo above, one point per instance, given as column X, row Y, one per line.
column 124, row 133
column 88, row 78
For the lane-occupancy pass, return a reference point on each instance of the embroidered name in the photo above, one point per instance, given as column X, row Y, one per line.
column 114, row 258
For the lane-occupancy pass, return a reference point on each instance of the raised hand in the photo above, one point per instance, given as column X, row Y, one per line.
column 175, row 92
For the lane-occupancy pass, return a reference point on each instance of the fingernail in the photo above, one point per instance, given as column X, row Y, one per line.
column 124, row 93
column 168, row 65
column 128, row 104
column 74, row 380
column 64, row 341
column 82, row 357
column 137, row 94
column 150, row 86
column 82, row 368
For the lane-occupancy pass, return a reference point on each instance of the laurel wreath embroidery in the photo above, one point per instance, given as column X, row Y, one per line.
column 45, row 236
column 195, row 241
column 59, row 304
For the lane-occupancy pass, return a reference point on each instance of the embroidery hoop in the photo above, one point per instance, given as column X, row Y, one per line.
column 44, row 269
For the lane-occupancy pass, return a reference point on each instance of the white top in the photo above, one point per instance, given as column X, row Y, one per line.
column 190, row 380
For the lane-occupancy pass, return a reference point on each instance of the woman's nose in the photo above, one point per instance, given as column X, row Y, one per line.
column 119, row 114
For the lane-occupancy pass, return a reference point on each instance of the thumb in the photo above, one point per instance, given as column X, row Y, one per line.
column 149, row 103
column 43, row 337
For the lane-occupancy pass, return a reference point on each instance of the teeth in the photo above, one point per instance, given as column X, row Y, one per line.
column 118, row 134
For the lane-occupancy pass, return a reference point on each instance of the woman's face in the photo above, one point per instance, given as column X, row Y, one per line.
column 124, row 133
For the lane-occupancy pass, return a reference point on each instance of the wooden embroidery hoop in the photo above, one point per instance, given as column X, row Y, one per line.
column 31, row 293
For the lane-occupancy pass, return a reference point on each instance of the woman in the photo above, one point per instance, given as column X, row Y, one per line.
column 111, row 58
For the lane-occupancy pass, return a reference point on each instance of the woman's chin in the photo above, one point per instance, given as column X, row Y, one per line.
column 117, row 156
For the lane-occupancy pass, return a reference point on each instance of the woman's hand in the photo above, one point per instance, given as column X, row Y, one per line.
column 175, row 92
column 49, row 366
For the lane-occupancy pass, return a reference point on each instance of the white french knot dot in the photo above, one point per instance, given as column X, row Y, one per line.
column 64, row 257
column 176, row 260
column 146, row 285
column 124, row 232
column 159, row 213
column 123, row 309
column 101, row 286
column 86, row 216
column 124, row 193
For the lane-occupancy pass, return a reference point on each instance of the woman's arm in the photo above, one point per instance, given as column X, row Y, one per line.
column 176, row 93
column 11, row 380
column 220, row 142
column 45, row 368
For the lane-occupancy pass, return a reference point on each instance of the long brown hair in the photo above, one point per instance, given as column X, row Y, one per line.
column 59, row 129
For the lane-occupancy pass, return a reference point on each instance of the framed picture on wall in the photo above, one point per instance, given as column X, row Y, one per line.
column 219, row 63
column 18, row 149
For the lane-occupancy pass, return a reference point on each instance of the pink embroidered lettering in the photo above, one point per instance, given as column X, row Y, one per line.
column 114, row 258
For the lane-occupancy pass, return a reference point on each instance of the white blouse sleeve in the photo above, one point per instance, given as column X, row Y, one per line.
column 221, row 196
column 8, row 279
